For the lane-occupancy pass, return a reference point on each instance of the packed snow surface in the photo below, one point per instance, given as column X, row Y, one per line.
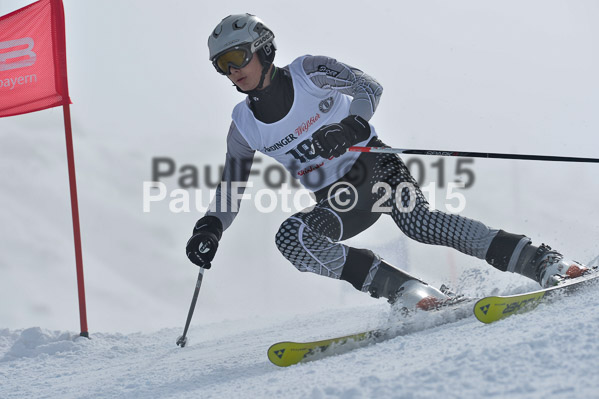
column 550, row 352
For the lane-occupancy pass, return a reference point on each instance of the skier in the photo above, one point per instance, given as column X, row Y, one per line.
column 306, row 115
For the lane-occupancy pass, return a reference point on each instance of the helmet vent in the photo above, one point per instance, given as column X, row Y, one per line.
column 216, row 34
column 236, row 25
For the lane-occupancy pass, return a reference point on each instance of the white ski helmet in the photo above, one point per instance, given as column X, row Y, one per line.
column 236, row 38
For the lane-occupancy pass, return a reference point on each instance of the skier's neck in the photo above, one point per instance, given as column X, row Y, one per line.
column 272, row 103
column 267, row 85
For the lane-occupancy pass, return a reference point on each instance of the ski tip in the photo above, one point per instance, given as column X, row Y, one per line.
column 285, row 354
column 482, row 309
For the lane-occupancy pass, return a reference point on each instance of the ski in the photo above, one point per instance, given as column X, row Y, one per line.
column 494, row 308
column 288, row 353
column 285, row 354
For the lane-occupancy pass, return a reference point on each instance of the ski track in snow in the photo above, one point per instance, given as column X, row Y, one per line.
column 537, row 354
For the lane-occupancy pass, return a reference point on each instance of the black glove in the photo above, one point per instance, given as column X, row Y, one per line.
column 333, row 140
column 203, row 244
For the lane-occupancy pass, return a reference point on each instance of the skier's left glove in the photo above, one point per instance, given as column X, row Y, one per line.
column 203, row 244
column 333, row 140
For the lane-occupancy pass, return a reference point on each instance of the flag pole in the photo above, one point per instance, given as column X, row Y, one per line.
column 75, row 213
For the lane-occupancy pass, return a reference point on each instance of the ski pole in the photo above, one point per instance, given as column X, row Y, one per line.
column 182, row 340
column 472, row 154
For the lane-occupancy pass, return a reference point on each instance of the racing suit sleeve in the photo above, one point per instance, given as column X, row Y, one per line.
column 328, row 73
column 238, row 164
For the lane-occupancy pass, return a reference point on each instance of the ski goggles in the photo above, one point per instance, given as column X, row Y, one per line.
column 237, row 58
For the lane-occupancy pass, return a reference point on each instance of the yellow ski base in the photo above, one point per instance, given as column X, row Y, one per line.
column 285, row 354
column 495, row 308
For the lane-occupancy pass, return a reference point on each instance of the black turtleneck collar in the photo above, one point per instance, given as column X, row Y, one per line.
column 272, row 103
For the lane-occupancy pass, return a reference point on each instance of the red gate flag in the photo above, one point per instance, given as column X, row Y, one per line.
column 33, row 76
column 33, row 66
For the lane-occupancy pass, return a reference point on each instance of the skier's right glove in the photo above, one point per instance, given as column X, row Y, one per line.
column 203, row 244
column 333, row 140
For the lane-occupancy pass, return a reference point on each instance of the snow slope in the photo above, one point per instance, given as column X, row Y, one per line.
column 550, row 352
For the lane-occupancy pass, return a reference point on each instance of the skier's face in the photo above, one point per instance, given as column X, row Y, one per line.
column 248, row 77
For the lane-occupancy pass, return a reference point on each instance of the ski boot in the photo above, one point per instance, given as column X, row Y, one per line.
column 547, row 267
column 403, row 290
column 515, row 253
column 553, row 268
column 415, row 294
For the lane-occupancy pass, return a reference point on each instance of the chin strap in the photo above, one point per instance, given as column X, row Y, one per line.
column 265, row 69
column 262, row 77
column 266, row 61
